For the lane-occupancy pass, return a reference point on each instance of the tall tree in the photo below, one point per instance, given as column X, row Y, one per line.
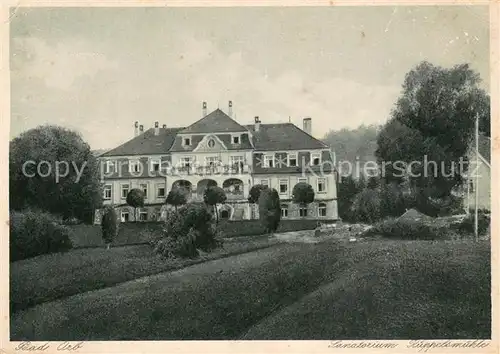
column 303, row 194
column 433, row 120
column 347, row 190
column 270, row 209
column 176, row 197
column 109, row 225
column 254, row 194
column 135, row 198
column 214, row 195
column 53, row 169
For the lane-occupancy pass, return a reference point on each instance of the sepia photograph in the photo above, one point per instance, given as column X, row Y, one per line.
column 250, row 173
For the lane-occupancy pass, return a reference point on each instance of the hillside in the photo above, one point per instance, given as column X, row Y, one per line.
column 353, row 144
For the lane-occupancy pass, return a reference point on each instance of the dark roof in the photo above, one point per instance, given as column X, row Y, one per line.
column 215, row 122
column 283, row 136
column 147, row 143
column 485, row 147
column 98, row 152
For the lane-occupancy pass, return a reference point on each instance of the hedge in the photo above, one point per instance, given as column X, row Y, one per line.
column 134, row 233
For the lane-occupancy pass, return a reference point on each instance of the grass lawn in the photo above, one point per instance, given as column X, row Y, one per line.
column 377, row 289
column 48, row 277
column 415, row 290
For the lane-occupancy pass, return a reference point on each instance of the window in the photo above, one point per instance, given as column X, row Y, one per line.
column 471, row 186
column 160, row 190
column 211, row 143
column 283, row 186
column 303, row 211
column 186, row 161
column 124, row 216
column 110, row 166
column 237, row 161
column 212, row 161
column 134, row 166
column 155, row 165
column 315, row 158
column 269, row 161
column 321, row 185
column 125, row 190
column 107, row 192
column 284, row 210
column 322, row 209
column 292, row 159
column 264, row 182
column 143, row 215
column 236, row 139
column 144, row 188
column 186, row 141
column 302, row 180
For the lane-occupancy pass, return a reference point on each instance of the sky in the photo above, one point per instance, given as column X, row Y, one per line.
column 98, row 70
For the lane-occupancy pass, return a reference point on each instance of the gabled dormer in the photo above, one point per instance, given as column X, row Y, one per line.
column 216, row 131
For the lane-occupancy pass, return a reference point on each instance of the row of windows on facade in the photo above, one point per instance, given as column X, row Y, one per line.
column 125, row 188
column 268, row 161
column 143, row 213
column 283, row 188
column 235, row 139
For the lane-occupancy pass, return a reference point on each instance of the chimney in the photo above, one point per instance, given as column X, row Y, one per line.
column 136, row 128
column 204, row 109
column 157, row 128
column 230, row 109
column 307, row 125
column 257, row 123
column 164, row 126
column 141, row 129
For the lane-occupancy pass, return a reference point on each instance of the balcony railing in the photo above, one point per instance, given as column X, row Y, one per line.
column 209, row 170
column 198, row 197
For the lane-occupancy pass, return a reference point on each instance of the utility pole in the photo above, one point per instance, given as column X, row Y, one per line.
column 476, row 189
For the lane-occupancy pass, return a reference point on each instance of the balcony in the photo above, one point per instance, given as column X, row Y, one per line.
column 196, row 197
column 209, row 170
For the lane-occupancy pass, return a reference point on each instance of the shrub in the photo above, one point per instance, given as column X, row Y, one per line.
column 407, row 230
column 366, row 206
column 269, row 209
column 468, row 224
column 186, row 230
column 33, row 233
column 184, row 247
column 392, row 202
column 109, row 225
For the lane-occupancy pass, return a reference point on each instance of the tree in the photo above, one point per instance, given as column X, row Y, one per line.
column 392, row 201
column 135, row 198
column 433, row 120
column 72, row 187
column 254, row 194
column 176, row 196
column 269, row 209
column 361, row 182
column 373, row 182
column 347, row 190
column 302, row 194
column 214, row 195
column 109, row 225
column 353, row 145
